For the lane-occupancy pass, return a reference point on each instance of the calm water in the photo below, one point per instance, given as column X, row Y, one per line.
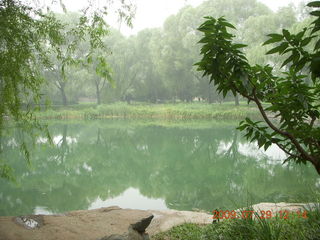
column 181, row 166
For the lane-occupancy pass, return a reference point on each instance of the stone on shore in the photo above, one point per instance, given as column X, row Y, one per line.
column 106, row 223
column 164, row 220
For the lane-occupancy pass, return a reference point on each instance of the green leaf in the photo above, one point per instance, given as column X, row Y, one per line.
column 314, row 4
column 227, row 24
column 286, row 34
column 267, row 145
column 317, row 46
column 249, row 121
column 302, row 62
column 306, row 41
column 271, row 40
column 315, row 29
column 315, row 13
column 236, row 46
column 261, row 141
column 274, row 38
column 288, row 60
column 242, row 127
column 275, row 35
column 280, row 49
column 301, row 34
column 315, row 66
column 288, row 50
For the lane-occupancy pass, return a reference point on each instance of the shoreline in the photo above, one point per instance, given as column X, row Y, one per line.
column 115, row 223
column 146, row 111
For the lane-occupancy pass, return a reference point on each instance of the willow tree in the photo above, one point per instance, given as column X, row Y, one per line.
column 287, row 96
column 29, row 37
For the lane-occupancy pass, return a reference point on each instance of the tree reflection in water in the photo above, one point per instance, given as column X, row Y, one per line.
column 204, row 167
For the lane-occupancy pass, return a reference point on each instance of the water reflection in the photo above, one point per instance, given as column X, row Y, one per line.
column 131, row 198
column 107, row 163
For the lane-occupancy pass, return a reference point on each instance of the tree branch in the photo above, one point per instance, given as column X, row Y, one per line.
column 283, row 133
column 286, row 151
column 243, row 94
column 313, row 119
column 104, row 83
column 57, row 84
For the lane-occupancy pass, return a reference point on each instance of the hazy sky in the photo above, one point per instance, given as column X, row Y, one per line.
column 152, row 13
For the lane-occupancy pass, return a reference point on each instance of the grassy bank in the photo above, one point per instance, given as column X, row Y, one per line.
column 293, row 228
column 154, row 111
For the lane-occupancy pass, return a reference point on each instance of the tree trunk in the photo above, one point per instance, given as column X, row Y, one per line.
column 156, row 94
column 210, row 93
column 98, row 94
column 236, row 100
column 317, row 166
column 64, row 97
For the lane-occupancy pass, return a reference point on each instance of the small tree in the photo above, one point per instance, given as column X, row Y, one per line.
column 287, row 96
column 103, row 73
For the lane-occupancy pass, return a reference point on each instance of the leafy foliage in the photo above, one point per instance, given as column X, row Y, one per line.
column 21, row 53
column 32, row 42
column 288, row 96
column 164, row 57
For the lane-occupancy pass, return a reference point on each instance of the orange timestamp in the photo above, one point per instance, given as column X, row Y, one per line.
column 247, row 214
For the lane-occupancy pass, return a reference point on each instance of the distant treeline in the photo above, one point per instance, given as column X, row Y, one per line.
column 157, row 65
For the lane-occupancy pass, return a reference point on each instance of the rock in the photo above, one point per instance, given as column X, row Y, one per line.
column 135, row 235
column 292, row 207
column 108, row 209
column 113, row 223
column 106, row 223
column 30, row 222
column 132, row 234
column 166, row 219
column 114, row 237
column 275, row 208
column 142, row 225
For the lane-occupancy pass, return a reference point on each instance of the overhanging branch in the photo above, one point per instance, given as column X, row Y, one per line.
column 283, row 133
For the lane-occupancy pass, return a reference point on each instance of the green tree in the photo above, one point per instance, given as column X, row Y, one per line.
column 122, row 61
column 29, row 36
column 21, row 51
column 23, row 32
column 56, row 74
column 149, row 86
column 288, row 96
column 101, row 72
column 164, row 57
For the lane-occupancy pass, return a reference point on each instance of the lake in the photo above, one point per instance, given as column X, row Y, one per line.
column 202, row 165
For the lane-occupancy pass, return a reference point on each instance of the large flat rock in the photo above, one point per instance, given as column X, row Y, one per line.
column 105, row 223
